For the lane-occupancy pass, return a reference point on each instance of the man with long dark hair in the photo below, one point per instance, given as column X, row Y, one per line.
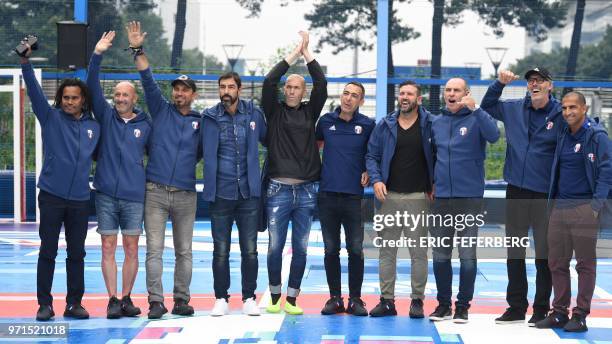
column 70, row 135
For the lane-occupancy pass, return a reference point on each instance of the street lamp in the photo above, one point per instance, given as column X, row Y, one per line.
column 232, row 52
column 252, row 67
column 496, row 55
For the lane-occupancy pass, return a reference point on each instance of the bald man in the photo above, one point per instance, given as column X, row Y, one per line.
column 119, row 180
column 294, row 168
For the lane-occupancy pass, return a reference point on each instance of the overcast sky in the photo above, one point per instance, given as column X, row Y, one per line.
column 226, row 22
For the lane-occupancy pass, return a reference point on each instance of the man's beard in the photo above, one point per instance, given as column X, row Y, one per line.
column 228, row 101
column 411, row 107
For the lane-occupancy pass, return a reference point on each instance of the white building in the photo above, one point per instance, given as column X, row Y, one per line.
column 597, row 15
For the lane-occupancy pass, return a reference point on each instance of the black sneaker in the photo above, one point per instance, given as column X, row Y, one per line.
column 511, row 316
column 45, row 312
column 553, row 320
column 156, row 310
column 576, row 324
column 537, row 316
column 416, row 309
column 442, row 312
column 461, row 315
column 334, row 305
column 181, row 307
column 76, row 311
column 113, row 310
column 127, row 307
column 384, row 308
column 356, row 307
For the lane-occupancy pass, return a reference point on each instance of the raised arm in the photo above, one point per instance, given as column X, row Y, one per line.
column 100, row 105
column 153, row 96
column 491, row 102
column 318, row 95
column 40, row 105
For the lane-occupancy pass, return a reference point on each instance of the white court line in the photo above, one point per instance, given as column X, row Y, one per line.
column 600, row 292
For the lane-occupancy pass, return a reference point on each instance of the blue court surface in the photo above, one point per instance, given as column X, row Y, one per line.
column 18, row 256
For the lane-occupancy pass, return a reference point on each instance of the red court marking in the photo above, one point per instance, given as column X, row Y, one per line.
column 156, row 332
column 96, row 304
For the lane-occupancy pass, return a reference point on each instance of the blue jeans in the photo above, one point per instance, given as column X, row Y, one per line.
column 114, row 213
column 443, row 270
column 223, row 213
column 295, row 203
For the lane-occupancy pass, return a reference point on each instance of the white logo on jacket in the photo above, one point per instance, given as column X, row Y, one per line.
column 333, row 127
column 577, row 148
column 252, row 125
column 358, row 129
column 549, row 125
column 90, row 133
column 591, row 157
column 463, row 131
column 137, row 132
column 195, row 125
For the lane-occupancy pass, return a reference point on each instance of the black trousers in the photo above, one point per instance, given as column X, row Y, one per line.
column 336, row 210
column 55, row 211
column 527, row 209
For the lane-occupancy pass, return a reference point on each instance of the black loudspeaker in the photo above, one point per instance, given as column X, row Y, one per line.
column 71, row 45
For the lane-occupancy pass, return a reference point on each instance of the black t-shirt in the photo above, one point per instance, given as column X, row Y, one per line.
column 408, row 171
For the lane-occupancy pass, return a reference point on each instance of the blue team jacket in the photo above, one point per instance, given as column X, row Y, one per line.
column 598, row 167
column 120, row 170
column 383, row 139
column 460, row 141
column 68, row 144
column 174, row 142
column 210, row 144
column 528, row 159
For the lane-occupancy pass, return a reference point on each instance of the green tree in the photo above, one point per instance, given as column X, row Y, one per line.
column 535, row 16
column 179, row 34
column 39, row 17
column 574, row 49
column 340, row 19
column 593, row 61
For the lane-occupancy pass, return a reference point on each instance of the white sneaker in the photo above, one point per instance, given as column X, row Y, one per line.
column 220, row 308
column 249, row 307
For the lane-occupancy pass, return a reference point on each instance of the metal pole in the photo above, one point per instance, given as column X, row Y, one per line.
column 80, row 15
column 382, row 44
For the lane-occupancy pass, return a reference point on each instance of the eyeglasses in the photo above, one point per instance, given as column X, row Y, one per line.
column 536, row 80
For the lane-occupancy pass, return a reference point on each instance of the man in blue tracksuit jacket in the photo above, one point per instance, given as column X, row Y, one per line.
column 460, row 137
column 170, row 188
column 400, row 146
column 231, row 132
column 70, row 136
column 581, row 180
column 532, row 125
column 344, row 134
column 119, row 180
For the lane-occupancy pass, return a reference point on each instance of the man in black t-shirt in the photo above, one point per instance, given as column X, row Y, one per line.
column 400, row 164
